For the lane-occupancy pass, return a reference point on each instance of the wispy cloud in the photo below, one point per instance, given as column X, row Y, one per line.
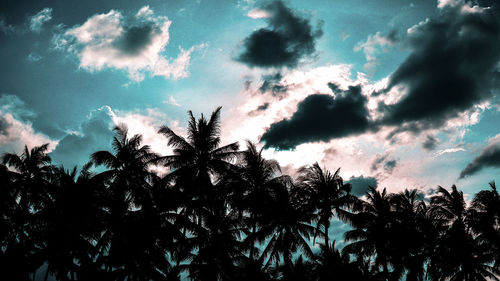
column 39, row 19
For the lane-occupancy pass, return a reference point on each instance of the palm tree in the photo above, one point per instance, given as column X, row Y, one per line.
column 128, row 166
column 218, row 244
column 7, row 202
column 329, row 195
column 73, row 219
column 200, row 156
column 256, row 179
column 197, row 161
column 299, row 270
column 199, row 170
column 458, row 254
column 372, row 226
column 31, row 171
column 29, row 179
column 286, row 226
column 485, row 218
column 129, row 187
column 412, row 234
column 332, row 264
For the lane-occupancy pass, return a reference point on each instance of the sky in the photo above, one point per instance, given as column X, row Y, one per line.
column 396, row 93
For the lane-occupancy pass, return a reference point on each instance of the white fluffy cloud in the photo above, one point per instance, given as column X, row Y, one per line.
column 258, row 14
column 15, row 128
column 132, row 44
column 39, row 19
column 147, row 125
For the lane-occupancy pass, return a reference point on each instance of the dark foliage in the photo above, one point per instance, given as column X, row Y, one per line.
column 225, row 214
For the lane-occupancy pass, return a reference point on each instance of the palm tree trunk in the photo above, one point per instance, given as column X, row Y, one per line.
column 253, row 233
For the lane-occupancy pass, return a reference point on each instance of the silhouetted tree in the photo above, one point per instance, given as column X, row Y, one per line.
column 370, row 236
column 457, row 255
column 30, row 175
column 220, row 214
column 330, row 195
column 257, row 178
column 485, row 219
column 287, row 226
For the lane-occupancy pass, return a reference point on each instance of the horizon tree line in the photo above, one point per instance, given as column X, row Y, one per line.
column 221, row 213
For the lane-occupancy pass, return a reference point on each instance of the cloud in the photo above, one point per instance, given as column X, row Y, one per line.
column 286, row 40
column 489, row 157
column 360, row 185
column 95, row 133
column 5, row 27
column 449, row 150
column 258, row 14
column 451, row 69
column 430, row 142
column 39, row 19
column 385, row 162
column 132, row 44
column 172, row 101
column 374, row 46
column 390, row 165
column 16, row 129
column 262, row 107
column 321, row 117
column 272, row 84
column 147, row 124
column 34, row 57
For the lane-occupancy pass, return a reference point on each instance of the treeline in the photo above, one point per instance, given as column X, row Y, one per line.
column 225, row 214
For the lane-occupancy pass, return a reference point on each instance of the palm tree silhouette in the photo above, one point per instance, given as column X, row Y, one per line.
column 332, row 264
column 485, row 219
column 257, row 178
column 73, row 219
column 370, row 236
column 286, row 226
column 411, row 223
column 31, row 172
column 329, row 195
column 221, row 214
column 458, row 254
column 197, row 160
column 129, row 187
column 30, row 175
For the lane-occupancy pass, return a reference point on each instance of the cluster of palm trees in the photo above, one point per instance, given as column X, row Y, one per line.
column 225, row 214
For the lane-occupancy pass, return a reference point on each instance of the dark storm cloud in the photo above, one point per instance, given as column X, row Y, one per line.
column 361, row 184
column 430, row 142
column 452, row 66
column 95, row 134
column 287, row 39
column 272, row 84
column 321, row 117
column 489, row 157
column 136, row 38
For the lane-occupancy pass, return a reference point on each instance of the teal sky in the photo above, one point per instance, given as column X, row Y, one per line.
column 148, row 62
